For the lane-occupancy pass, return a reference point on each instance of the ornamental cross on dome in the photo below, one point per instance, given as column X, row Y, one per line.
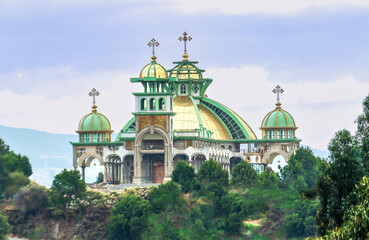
column 185, row 39
column 278, row 90
column 153, row 43
column 93, row 94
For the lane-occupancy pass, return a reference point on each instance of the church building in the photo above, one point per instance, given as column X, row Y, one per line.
column 175, row 120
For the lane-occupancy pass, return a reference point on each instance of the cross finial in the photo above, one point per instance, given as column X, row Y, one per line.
column 185, row 39
column 153, row 43
column 93, row 94
column 278, row 90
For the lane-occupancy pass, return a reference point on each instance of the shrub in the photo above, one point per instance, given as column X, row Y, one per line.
column 244, row 175
column 4, row 227
column 166, row 196
column 32, row 199
column 268, row 179
column 183, row 174
column 129, row 218
column 211, row 171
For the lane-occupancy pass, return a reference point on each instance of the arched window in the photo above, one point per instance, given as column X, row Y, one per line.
column 143, row 103
column 183, row 89
column 161, row 104
column 152, row 104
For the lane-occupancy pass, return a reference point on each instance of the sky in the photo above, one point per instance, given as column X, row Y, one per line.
column 52, row 53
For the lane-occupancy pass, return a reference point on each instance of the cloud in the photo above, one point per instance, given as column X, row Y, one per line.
column 319, row 108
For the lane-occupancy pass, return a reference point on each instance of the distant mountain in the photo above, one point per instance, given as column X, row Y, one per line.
column 319, row 153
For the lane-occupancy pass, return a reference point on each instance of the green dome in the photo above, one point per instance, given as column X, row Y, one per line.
column 278, row 118
column 94, row 122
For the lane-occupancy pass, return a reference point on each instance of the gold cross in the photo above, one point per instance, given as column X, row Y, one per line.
column 278, row 90
column 153, row 43
column 185, row 39
column 93, row 94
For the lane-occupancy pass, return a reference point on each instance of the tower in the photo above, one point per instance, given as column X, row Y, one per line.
column 153, row 121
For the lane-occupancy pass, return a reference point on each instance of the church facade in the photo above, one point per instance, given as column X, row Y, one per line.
column 175, row 120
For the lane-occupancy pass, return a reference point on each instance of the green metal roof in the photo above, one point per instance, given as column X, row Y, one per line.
column 278, row 118
column 94, row 122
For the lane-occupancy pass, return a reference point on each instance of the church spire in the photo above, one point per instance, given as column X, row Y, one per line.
column 94, row 94
column 153, row 43
column 278, row 90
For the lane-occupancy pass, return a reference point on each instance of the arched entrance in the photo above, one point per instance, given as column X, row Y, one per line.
column 158, row 170
column 277, row 162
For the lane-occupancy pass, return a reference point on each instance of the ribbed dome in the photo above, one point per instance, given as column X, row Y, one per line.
column 153, row 69
column 94, row 121
column 278, row 118
column 186, row 70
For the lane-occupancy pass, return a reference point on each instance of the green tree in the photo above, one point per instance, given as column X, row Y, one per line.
column 337, row 181
column 183, row 174
column 268, row 178
column 302, row 170
column 4, row 149
column 362, row 133
column 166, row 196
column 244, row 175
column 18, row 163
column 32, row 199
column 4, row 175
column 129, row 218
column 4, row 227
column 100, row 178
column 67, row 188
column 16, row 181
column 356, row 224
column 234, row 209
column 211, row 171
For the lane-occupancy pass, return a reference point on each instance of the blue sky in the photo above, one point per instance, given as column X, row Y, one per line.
column 53, row 53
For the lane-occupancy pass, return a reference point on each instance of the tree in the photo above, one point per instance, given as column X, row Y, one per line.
column 302, row 170
column 234, row 209
column 362, row 133
column 16, row 181
column 211, row 171
column 32, row 199
column 67, row 188
column 166, row 196
column 18, row 163
column 244, row 175
column 357, row 219
column 268, row 178
column 4, row 227
column 183, row 174
column 4, row 149
column 129, row 218
column 337, row 181
column 4, row 174
column 100, row 178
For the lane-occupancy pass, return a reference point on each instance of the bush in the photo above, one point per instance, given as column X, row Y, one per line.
column 268, row 179
column 129, row 218
column 100, row 178
column 4, row 227
column 244, row 175
column 234, row 209
column 183, row 174
column 16, row 181
column 32, row 199
column 166, row 196
column 211, row 171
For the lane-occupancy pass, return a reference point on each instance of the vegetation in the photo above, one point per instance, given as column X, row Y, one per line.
column 4, row 227
column 244, row 175
column 129, row 218
column 67, row 188
column 183, row 174
column 100, row 178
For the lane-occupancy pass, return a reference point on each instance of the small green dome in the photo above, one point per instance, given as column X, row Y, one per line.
column 94, row 122
column 278, row 118
column 155, row 70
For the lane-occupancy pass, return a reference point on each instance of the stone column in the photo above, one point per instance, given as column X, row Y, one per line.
column 168, row 163
column 83, row 172
column 122, row 172
column 137, row 158
column 105, row 173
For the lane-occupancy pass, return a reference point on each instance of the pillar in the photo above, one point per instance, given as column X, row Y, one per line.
column 122, row 172
column 168, row 162
column 83, row 173
column 105, row 173
column 137, row 158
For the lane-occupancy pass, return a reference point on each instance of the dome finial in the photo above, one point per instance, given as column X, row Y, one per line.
column 93, row 94
column 153, row 43
column 278, row 90
column 185, row 39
